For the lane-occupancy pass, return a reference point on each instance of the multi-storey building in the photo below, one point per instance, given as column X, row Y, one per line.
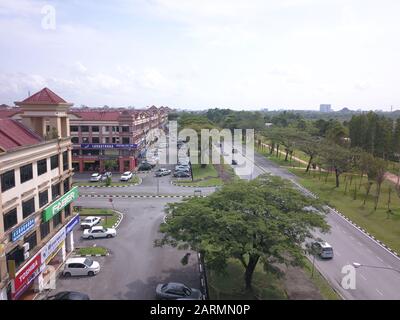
column 112, row 139
column 36, row 217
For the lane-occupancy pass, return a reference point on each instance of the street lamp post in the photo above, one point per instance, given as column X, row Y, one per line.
column 358, row 265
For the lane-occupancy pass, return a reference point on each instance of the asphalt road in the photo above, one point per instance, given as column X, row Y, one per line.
column 350, row 245
column 134, row 266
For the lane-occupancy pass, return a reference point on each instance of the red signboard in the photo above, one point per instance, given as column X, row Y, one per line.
column 27, row 274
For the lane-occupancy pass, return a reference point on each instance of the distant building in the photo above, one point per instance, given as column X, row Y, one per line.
column 325, row 108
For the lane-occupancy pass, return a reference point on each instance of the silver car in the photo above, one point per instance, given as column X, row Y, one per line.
column 81, row 267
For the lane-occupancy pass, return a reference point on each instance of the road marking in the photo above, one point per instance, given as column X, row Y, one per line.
column 337, row 253
column 359, row 243
column 363, row 277
column 379, row 292
column 379, row 259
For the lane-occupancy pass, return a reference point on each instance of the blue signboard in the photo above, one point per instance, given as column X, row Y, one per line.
column 108, row 146
column 72, row 224
column 22, row 229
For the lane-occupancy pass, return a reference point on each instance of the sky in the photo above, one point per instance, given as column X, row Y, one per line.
column 199, row 54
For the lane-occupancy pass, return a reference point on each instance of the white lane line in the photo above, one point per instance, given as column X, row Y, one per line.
column 379, row 292
column 363, row 277
column 379, row 259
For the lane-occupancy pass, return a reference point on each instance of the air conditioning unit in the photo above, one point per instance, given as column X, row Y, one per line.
column 26, row 255
column 26, row 247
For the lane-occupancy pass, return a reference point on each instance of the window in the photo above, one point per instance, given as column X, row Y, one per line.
column 115, row 129
column 28, row 207
column 75, row 152
column 16, row 254
column 54, row 162
column 65, row 160
column 115, row 140
column 107, row 140
column 26, row 173
column 125, row 140
column 43, row 198
column 95, row 128
column 57, row 219
column 106, row 128
column 31, row 239
column 41, row 167
column 85, row 140
column 74, row 128
column 55, row 190
column 7, row 180
column 67, row 210
column 66, row 185
column 44, row 229
column 84, row 129
column 75, row 140
column 10, row 219
column 125, row 129
column 95, row 140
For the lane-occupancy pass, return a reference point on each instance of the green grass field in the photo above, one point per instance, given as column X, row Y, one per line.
column 231, row 286
column 383, row 225
column 92, row 251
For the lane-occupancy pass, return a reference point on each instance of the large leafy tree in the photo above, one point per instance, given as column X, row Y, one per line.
column 337, row 158
column 260, row 221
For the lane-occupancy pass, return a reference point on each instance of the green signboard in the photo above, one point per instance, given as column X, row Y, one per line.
column 60, row 204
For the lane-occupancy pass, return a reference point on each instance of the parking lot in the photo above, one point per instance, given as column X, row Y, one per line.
column 134, row 267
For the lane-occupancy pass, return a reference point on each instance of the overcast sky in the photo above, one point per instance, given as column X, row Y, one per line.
column 242, row 54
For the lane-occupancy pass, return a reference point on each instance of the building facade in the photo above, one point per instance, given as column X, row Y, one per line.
column 325, row 108
column 112, row 139
column 36, row 216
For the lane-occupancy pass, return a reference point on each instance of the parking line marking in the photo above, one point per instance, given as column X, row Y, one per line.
column 379, row 259
column 363, row 277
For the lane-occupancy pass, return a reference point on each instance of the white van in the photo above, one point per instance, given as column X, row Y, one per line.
column 324, row 249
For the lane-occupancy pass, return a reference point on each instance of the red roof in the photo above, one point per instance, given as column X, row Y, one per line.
column 44, row 96
column 97, row 115
column 13, row 135
column 8, row 113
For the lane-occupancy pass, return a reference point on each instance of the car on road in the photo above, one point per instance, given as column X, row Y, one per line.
column 69, row 295
column 162, row 172
column 95, row 177
column 174, row 291
column 90, row 222
column 181, row 174
column 81, row 267
column 126, row 176
column 145, row 166
column 99, row 232
column 323, row 249
column 181, row 167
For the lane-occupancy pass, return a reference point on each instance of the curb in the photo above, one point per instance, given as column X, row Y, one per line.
column 135, row 196
column 129, row 185
column 177, row 185
column 92, row 255
column 121, row 216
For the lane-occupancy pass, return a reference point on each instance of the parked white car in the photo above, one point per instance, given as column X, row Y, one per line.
column 89, row 222
column 95, row 177
column 126, row 176
column 99, row 232
column 81, row 267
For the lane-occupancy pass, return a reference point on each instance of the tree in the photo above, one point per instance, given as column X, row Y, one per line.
column 310, row 146
column 336, row 158
column 381, row 167
column 264, row 221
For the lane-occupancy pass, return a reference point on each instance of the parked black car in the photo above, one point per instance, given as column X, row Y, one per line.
column 145, row 166
column 69, row 295
column 173, row 291
column 181, row 174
